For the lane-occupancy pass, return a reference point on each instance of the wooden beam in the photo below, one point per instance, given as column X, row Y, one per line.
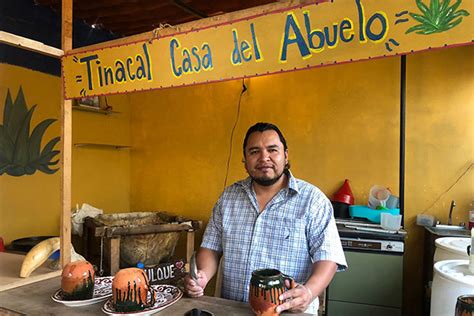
column 118, row 19
column 189, row 9
column 66, row 144
column 200, row 23
column 47, row 2
column 92, row 5
column 139, row 27
column 127, row 31
column 29, row 44
column 110, row 232
column 136, row 9
column 211, row 7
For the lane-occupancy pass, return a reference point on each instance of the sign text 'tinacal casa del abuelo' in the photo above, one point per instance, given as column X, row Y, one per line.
column 304, row 37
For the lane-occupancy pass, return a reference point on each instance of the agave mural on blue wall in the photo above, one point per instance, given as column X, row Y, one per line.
column 20, row 151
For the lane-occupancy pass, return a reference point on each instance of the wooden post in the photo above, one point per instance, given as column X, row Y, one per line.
column 66, row 137
column 114, row 255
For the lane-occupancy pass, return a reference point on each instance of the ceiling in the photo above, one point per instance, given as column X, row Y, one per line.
column 129, row 17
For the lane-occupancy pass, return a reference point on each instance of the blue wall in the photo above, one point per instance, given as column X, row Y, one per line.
column 25, row 18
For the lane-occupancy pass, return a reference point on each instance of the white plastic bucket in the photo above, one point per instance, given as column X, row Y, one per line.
column 451, row 248
column 451, row 279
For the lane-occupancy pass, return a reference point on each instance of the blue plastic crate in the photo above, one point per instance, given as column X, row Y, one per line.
column 372, row 215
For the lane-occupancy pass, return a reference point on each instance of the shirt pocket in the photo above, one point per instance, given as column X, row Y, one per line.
column 294, row 231
column 287, row 233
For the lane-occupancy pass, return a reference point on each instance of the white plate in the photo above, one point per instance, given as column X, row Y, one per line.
column 165, row 296
column 102, row 291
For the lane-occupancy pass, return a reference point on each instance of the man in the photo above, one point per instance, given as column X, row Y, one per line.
column 270, row 220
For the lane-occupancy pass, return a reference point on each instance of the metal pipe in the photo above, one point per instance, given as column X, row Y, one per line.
column 402, row 135
column 451, row 208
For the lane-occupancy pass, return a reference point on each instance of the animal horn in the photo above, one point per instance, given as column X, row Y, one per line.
column 38, row 255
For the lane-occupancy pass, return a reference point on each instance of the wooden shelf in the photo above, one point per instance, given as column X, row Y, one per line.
column 92, row 109
column 113, row 146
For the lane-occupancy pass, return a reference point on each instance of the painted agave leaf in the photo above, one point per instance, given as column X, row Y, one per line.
column 20, row 151
column 437, row 17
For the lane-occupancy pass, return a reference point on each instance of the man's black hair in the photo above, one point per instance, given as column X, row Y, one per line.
column 261, row 127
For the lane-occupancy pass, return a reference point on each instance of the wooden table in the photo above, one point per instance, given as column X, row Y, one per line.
column 34, row 299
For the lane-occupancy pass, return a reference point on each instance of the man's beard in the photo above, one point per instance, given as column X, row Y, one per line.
column 267, row 182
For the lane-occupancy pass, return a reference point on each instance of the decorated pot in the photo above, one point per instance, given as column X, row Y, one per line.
column 131, row 290
column 266, row 286
column 465, row 305
column 77, row 281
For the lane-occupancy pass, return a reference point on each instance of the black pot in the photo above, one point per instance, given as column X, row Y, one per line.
column 25, row 244
column 341, row 210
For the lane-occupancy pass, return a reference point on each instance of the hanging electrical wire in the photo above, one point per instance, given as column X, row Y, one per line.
column 244, row 88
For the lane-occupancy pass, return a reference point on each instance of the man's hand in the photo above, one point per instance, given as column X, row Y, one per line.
column 195, row 288
column 297, row 299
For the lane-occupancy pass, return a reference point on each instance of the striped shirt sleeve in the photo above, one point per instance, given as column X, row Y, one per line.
column 212, row 238
column 323, row 237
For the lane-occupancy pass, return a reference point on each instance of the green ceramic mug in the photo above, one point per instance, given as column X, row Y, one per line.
column 465, row 305
column 266, row 286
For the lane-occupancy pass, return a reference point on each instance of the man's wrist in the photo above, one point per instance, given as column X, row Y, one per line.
column 204, row 278
column 308, row 289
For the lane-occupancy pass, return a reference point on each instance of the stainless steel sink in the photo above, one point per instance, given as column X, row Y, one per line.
column 449, row 231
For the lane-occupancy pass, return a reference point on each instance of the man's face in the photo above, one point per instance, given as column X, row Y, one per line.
column 265, row 157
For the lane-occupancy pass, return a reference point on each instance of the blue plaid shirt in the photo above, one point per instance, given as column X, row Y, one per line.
column 295, row 229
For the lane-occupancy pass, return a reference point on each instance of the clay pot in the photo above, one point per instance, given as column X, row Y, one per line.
column 130, row 290
column 266, row 286
column 465, row 305
column 77, row 281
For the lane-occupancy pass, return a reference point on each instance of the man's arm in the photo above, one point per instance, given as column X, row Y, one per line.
column 302, row 295
column 208, row 255
column 207, row 261
column 323, row 272
column 325, row 250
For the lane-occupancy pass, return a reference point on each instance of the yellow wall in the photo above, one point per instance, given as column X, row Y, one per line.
column 29, row 205
column 340, row 122
column 101, row 175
